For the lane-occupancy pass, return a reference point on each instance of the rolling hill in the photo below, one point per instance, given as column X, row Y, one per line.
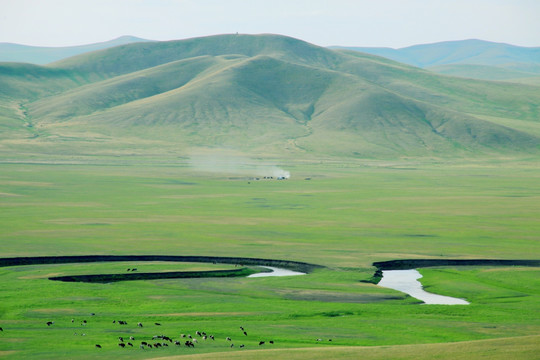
column 261, row 94
column 41, row 55
column 468, row 58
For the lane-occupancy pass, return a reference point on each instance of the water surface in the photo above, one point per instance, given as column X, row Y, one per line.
column 276, row 272
column 407, row 281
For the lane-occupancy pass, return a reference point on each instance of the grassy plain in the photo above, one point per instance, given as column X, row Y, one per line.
column 349, row 214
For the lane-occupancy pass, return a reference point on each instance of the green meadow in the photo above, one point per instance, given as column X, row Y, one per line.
column 342, row 214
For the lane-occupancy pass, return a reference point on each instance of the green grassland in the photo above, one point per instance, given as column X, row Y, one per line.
column 155, row 149
column 346, row 216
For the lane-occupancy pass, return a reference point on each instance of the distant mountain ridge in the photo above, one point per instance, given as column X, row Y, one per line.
column 262, row 94
column 41, row 55
column 502, row 60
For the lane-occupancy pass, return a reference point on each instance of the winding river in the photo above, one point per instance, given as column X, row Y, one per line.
column 276, row 272
column 407, row 281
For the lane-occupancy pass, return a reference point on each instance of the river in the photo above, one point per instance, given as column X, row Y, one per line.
column 407, row 281
column 276, row 272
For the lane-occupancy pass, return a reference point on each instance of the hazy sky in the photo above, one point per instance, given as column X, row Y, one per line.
column 392, row 23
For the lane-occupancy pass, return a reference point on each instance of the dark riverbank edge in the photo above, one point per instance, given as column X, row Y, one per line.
column 108, row 278
column 105, row 278
column 407, row 264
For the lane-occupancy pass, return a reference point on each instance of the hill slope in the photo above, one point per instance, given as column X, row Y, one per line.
column 40, row 55
column 469, row 58
column 269, row 94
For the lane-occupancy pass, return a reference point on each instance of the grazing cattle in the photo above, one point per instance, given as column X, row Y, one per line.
column 204, row 337
column 72, row 320
column 241, row 328
column 189, row 344
column 329, row 339
column 141, row 346
column 131, row 338
column 164, row 344
column 1, row 329
column 176, row 342
column 183, row 335
column 195, row 340
column 144, row 343
column 261, row 343
column 134, row 269
column 92, row 314
column 319, row 339
column 228, row 338
column 130, row 344
column 98, row 346
column 212, row 337
column 157, row 324
column 156, row 345
column 114, row 321
column 49, row 323
column 271, row 341
column 84, row 321
column 198, row 333
column 139, row 325
column 121, row 339
column 245, row 333
column 128, row 270
column 189, row 336
column 232, row 345
column 242, row 345
column 122, row 345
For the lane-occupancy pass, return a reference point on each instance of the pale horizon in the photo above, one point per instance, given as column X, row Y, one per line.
column 392, row 23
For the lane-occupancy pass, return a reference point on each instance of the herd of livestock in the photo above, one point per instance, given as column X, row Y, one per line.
column 161, row 341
